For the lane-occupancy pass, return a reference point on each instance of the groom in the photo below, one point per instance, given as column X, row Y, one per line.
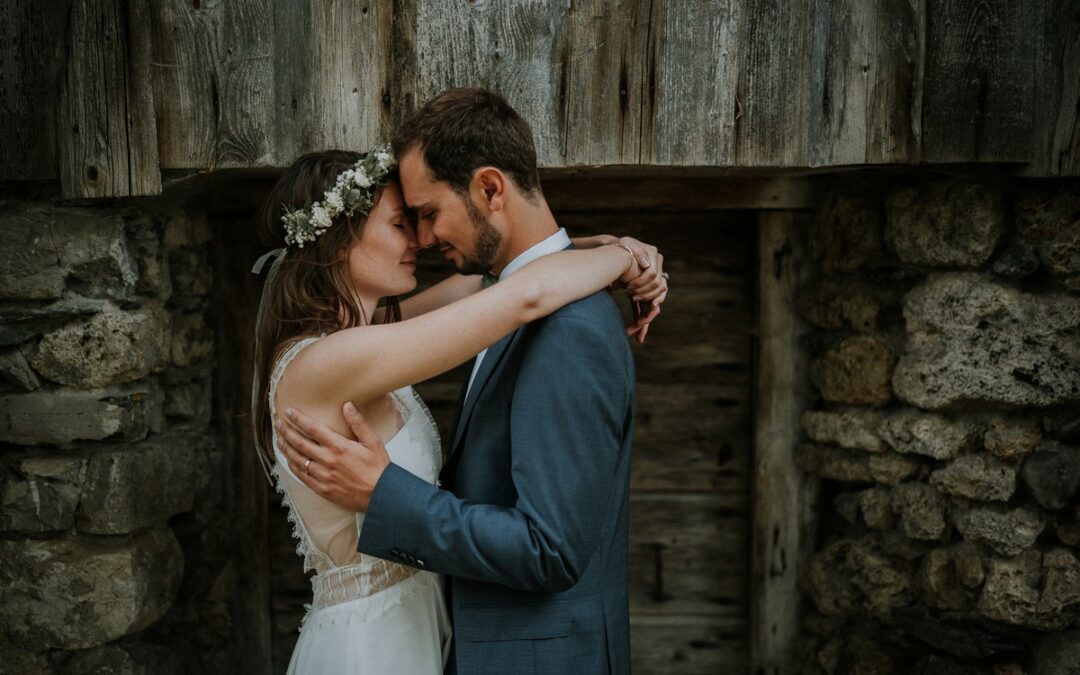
column 531, row 521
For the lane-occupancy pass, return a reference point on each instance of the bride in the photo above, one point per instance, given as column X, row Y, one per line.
column 349, row 243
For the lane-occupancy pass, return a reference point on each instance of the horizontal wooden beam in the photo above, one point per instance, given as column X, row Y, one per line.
column 580, row 192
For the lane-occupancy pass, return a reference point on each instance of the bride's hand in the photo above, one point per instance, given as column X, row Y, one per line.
column 647, row 286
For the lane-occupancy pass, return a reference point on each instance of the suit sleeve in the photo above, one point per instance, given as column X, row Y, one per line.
column 568, row 424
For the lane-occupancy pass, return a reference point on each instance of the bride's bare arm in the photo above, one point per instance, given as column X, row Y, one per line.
column 458, row 286
column 359, row 364
column 450, row 289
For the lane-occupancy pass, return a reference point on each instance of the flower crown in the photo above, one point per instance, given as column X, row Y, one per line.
column 353, row 194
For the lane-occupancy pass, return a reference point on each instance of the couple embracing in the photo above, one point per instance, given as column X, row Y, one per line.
column 505, row 551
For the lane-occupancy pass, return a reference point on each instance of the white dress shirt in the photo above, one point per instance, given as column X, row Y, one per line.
column 555, row 242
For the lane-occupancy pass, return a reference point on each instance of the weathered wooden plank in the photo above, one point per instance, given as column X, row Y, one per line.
column 332, row 75
column 576, row 191
column 687, row 645
column 688, row 554
column 773, row 45
column 253, row 553
column 108, row 139
column 186, row 98
column 691, row 440
column 1059, row 85
column 244, row 79
column 603, row 70
column 510, row 47
column 783, row 495
column 862, row 77
column 691, row 104
column 33, row 36
column 978, row 91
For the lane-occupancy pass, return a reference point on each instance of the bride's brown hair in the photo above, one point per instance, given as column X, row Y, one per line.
column 311, row 292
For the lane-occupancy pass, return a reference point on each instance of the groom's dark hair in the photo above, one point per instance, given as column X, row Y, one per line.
column 461, row 130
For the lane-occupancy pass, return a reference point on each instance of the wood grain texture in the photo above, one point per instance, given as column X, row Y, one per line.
column 33, row 38
column 760, row 84
column 864, row 58
column 687, row 645
column 582, row 190
column 108, row 139
column 244, row 73
column 783, row 496
column 771, row 129
column 347, row 75
column 602, row 61
column 186, row 96
column 517, row 48
column 688, row 555
column 691, row 103
column 1059, row 88
column 979, row 83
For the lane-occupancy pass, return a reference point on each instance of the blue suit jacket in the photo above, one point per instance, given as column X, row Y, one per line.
column 531, row 523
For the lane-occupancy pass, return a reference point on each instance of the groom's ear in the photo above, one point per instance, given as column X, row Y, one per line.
column 490, row 184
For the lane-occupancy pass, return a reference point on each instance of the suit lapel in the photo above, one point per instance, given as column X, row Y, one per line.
column 487, row 366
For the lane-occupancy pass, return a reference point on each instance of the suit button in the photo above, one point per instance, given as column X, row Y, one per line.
column 395, row 552
column 419, row 563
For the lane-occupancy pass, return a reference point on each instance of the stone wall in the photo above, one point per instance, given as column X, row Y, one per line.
column 946, row 337
column 113, row 488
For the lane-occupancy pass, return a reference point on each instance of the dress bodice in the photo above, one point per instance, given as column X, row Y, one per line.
column 326, row 534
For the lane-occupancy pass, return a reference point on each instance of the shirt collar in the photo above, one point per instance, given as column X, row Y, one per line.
column 555, row 242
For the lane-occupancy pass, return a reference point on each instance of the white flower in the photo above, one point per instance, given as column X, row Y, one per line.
column 319, row 217
column 333, row 201
column 361, row 179
column 384, row 159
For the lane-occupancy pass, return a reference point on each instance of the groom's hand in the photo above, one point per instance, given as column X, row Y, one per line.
column 339, row 469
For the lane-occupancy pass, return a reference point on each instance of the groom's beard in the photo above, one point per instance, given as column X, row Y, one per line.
column 485, row 245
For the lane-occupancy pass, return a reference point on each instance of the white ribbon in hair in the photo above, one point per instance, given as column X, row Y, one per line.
column 278, row 254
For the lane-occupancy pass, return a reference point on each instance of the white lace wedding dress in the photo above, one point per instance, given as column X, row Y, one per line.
column 367, row 615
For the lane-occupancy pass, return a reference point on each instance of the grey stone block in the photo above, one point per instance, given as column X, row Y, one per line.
column 847, row 235
column 876, row 507
column 837, row 304
column 131, row 487
column 81, row 592
column 1011, row 439
column 1011, row 591
column 855, row 429
column 856, row 371
column 21, row 323
column 1051, row 474
column 945, row 224
column 48, row 248
column 190, row 401
column 853, row 466
column 40, row 494
column 113, row 347
column 61, row 417
column 1005, row 531
column 921, row 510
column 973, row 341
column 16, row 370
column 976, row 477
column 928, row 434
column 190, row 272
column 192, row 341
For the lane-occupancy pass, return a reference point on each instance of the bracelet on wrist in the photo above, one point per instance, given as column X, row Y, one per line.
column 633, row 258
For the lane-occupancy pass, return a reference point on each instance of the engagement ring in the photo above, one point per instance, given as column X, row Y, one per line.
column 664, row 274
column 306, row 465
